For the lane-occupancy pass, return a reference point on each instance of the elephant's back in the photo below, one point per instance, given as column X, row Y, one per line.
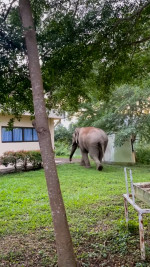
column 92, row 134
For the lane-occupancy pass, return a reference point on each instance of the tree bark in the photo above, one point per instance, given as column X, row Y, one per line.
column 64, row 245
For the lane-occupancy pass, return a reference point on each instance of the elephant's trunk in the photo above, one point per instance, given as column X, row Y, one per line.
column 74, row 147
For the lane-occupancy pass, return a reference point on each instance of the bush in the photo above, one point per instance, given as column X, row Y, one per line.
column 22, row 158
column 9, row 158
column 62, row 134
column 143, row 154
column 35, row 159
column 61, row 149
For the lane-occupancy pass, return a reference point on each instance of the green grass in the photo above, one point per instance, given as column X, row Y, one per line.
column 24, row 202
column 94, row 206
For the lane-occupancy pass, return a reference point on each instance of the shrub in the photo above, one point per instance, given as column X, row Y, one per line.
column 9, row 158
column 143, row 154
column 35, row 159
column 61, row 149
column 22, row 158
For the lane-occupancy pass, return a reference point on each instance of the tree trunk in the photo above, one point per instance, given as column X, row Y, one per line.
column 62, row 235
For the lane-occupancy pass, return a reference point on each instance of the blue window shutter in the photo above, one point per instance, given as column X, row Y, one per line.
column 35, row 136
column 6, row 135
column 17, row 135
column 27, row 134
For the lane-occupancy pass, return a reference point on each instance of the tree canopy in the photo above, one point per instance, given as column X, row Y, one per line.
column 126, row 113
column 77, row 40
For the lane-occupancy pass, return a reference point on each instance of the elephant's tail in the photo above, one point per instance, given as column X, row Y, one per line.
column 102, row 148
column 101, row 151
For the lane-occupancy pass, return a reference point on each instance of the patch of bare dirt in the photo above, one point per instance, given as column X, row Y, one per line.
column 38, row 249
column 35, row 249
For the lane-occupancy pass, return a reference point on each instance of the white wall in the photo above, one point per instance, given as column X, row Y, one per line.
column 109, row 153
column 24, row 122
column 119, row 154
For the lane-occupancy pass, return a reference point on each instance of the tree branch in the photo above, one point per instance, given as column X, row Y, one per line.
column 8, row 10
column 140, row 41
column 76, row 8
column 137, row 12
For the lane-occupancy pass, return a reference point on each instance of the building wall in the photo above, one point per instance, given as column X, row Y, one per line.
column 109, row 153
column 24, row 122
column 51, row 127
column 119, row 154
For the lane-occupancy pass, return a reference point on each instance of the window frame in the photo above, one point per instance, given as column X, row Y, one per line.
column 23, row 135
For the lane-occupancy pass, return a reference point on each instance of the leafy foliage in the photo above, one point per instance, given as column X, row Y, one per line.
column 16, row 97
column 126, row 113
column 62, row 134
column 63, row 139
column 61, row 149
column 143, row 154
column 76, row 41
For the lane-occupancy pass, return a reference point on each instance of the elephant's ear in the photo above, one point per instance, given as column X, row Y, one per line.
column 77, row 135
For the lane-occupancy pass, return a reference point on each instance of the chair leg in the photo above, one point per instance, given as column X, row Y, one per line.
column 141, row 232
column 126, row 210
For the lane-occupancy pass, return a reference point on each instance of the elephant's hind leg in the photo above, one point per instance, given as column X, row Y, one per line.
column 85, row 160
column 98, row 164
column 94, row 154
column 100, row 168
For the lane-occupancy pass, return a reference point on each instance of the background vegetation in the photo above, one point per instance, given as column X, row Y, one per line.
column 143, row 154
column 86, row 49
column 126, row 113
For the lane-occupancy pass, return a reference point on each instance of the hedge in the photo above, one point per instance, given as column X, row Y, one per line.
column 143, row 154
column 22, row 158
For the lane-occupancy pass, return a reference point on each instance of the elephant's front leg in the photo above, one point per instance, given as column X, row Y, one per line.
column 85, row 160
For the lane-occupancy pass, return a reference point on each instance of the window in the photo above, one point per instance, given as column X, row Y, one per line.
column 19, row 135
column 27, row 134
column 35, row 136
column 6, row 135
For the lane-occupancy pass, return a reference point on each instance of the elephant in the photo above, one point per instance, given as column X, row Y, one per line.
column 90, row 140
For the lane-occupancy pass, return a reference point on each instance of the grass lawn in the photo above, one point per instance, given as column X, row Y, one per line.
column 95, row 211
